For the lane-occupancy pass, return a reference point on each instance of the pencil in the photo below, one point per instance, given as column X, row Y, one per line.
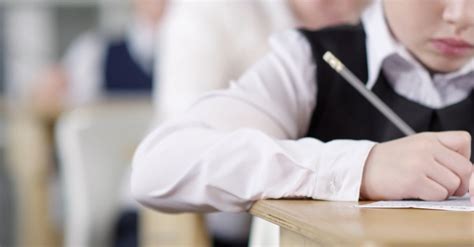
column 340, row 68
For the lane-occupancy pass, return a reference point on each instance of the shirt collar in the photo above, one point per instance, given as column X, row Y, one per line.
column 381, row 45
column 380, row 42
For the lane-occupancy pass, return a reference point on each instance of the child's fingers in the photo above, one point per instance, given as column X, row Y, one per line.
column 430, row 190
column 446, row 178
column 457, row 164
column 458, row 141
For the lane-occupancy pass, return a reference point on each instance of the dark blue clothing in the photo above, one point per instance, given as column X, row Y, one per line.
column 127, row 229
column 122, row 73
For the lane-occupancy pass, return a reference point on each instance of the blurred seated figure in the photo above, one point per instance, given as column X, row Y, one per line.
column 100, row 66
column 95, row 144
column 207, row 44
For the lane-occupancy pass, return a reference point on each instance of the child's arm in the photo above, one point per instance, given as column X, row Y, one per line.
column 238, row 145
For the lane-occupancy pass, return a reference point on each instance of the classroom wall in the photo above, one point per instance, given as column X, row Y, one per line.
column 29, row 49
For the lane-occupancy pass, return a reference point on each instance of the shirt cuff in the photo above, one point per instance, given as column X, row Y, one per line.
column 340, row 169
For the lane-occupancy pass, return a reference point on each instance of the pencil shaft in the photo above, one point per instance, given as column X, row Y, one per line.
column 377, row 102
column 339, row 67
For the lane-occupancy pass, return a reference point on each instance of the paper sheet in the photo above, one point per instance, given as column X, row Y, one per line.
column 462, row 204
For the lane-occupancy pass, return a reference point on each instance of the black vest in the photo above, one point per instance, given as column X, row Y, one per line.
column 122, row 73
column 343, row 113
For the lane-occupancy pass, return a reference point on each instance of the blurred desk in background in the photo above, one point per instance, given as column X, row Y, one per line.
column 6, row 190
column 321, row 223
column 31, row 164
column 29, row 161
column 96, row 144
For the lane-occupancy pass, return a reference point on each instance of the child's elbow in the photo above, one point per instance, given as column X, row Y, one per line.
column 151, row 186
column 143, row 183
column 140, row 186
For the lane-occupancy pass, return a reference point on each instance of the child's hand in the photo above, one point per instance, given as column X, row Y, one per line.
column 427, row 166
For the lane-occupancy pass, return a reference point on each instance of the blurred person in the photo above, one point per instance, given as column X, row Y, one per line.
column 207, row 44
column 99, row 66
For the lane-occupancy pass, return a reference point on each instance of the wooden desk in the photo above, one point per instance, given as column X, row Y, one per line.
column 320, row 223
column 29, row 162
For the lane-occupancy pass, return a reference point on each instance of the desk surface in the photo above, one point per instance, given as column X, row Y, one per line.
column 339, row 223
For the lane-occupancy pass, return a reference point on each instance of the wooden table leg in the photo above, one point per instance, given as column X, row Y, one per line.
column 159, row 229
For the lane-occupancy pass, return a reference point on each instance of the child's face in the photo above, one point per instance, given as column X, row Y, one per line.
column 440, row 33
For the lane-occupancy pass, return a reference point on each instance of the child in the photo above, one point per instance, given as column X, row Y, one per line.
column 227, row 55
column 292, row 127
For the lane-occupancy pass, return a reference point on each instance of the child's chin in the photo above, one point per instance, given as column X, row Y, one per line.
column 445, row 64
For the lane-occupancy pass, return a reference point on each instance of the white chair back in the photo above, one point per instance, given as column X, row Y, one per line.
column 96, row 145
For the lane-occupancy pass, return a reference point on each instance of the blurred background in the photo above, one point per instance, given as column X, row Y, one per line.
column 76, row 85
column 54, row 55
column 83, row 81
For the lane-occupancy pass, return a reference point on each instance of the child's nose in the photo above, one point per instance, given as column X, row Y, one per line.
column 460, row 14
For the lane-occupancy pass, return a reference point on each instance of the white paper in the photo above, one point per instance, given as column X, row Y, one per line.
column 462, row 204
